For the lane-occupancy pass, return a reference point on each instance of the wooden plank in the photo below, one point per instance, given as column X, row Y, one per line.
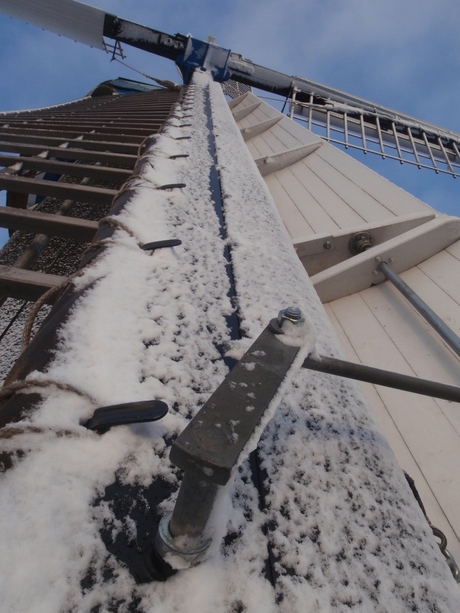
column 444, row 270
column 309, row 207
column 50, row 141
column 424, row 351
column 399, row 446
column 57, row 189
column 347, row 187
column 65, row 168
column 280, row 140
column 64, row 134
column 454, row 250
column 295, row 222
column 26, row 284
column 69, row 153
column 392, row 199
column 427, row 432
column 338, row 210
column 46, row 223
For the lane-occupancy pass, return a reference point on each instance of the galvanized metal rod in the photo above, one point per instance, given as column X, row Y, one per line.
column 350, row 370
column 193, row 507
column 446, row 333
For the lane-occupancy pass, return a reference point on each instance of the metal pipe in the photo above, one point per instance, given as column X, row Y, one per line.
column 350, row 370
column 446, row 333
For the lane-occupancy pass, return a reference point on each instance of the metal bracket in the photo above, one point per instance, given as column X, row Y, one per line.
column 204, row 55
column 210, row 447
column 122, row 414
column 169, row 242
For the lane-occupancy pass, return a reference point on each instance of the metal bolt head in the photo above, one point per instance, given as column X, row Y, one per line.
column 291, row 313
column 327, row 245
column 391, row 260
column 378, row 259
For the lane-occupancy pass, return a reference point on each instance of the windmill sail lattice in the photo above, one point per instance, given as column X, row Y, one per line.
column 340, row 117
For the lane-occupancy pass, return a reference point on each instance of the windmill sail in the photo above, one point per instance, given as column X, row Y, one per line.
column 341, row 118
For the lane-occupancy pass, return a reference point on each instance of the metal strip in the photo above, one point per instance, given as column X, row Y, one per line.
column 414, row 148
column 345, row 130
column 363, row 133
column 214, row 440
column 379, row 131
column 443, row 149
column 427, row 144
column 398, row 147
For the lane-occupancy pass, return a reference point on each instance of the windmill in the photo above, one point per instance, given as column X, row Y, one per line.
column 318, row 510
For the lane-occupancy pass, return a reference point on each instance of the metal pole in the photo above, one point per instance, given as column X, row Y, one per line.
column 428, row 314
column 387, row 378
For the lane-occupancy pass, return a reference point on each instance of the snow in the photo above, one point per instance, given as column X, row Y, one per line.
column 336, row 514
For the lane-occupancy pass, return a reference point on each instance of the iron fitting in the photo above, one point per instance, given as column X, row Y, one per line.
column 179, row 552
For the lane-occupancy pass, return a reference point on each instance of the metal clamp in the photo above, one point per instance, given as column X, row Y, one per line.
column 209, row 448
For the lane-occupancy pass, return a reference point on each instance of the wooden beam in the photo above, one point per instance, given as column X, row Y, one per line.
column 50, row 141
column 26, row 284
column 57, row 189
column 71, row 153
column 47, row 223
column 66, row 168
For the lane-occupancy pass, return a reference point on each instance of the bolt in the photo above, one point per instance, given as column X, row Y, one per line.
column 378, row 259
column 327, row 245
column 391, row 260
column 292, row 313
column 375, row 272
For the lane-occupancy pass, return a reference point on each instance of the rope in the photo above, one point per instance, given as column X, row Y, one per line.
column 10, row 390
column 7, row 433
column 38, row 305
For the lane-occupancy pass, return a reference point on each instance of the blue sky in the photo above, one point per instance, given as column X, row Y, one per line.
column 403, row 54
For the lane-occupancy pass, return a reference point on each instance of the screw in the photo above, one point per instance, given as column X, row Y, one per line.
column 327, row 245
column 391, row 260
column 378, row 259
column 375, row 272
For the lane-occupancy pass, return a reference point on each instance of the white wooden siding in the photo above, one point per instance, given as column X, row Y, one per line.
column 379, row 328
column 329, row 189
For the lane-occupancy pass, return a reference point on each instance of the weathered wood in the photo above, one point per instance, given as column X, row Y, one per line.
column 55, row 189
column 70, row 153
column 26, row 284
column 45, row 141
column 46, row 223
column 66, row 168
